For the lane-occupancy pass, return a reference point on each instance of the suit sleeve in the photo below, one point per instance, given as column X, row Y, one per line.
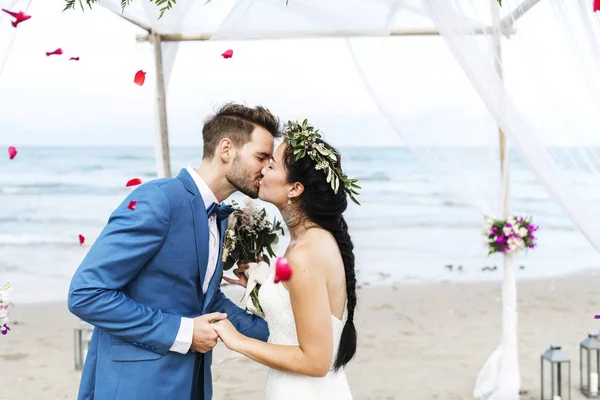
column 130, row 239
column 248, row 324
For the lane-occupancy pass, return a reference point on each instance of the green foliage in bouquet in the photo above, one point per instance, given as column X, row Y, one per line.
column 250, row 236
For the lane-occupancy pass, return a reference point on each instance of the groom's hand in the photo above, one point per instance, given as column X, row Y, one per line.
column 205, row 337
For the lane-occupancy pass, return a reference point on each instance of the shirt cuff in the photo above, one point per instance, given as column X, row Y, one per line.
column 183, row 340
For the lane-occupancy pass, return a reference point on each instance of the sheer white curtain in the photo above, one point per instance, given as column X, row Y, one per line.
column 531, row 128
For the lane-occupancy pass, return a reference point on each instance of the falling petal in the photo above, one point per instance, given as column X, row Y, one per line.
column 140, row 78
column 133, row 182
column 57, row 52
column 131, row 205
column 74, row 59
column 81, row 240
column 283, row 272
column 227, row 54
column 12, row 152
column 19, row 17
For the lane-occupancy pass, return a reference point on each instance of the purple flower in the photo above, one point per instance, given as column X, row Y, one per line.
column 5, row 329
column 501, row 239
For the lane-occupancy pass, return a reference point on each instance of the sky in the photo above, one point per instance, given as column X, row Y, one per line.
column 53, row 101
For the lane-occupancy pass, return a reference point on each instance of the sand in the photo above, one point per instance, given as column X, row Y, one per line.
column 415, row 341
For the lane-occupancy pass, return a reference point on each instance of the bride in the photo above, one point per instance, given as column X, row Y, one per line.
column 311, row 316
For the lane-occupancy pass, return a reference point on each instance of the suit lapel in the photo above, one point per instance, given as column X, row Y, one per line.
column 200, row 221
column 216, row 278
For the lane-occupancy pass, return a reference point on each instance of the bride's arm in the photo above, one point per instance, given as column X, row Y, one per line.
column 310, row 302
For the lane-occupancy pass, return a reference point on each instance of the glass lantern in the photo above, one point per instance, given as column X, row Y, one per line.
column 82, row 338
column 589, row 365
column 556, row 374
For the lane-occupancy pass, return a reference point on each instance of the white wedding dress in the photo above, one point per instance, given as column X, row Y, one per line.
column 275, row 302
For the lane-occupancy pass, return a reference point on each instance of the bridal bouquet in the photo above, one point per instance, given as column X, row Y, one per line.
column 510, row 236
column 251, row 238
column 4, row 309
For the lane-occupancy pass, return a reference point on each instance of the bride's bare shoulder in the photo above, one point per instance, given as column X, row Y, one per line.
column 317, row 247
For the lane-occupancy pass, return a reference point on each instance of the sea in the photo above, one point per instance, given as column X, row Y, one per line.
column 409, row 229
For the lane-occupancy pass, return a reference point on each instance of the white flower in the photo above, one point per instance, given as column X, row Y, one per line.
column 511, row 221
column 506, row 230
column 523, row 232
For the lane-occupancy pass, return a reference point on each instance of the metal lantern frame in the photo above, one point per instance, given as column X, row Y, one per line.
column 559, row 363
column 81, row 343
column 589, row 363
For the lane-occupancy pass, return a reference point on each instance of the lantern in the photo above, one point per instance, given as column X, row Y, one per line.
column 589, row 365
column 556, row 374
column 82, row 338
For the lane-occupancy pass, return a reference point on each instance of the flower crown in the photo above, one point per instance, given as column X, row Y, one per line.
column 303, row 138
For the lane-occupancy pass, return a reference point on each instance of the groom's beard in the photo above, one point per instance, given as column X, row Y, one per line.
column 242, row 181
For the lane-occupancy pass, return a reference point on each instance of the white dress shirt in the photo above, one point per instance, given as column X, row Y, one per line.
column 183, row 341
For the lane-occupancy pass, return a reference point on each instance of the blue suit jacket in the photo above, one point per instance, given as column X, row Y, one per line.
column 143, row 273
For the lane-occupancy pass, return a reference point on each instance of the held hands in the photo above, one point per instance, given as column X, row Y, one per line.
column 228, row 334
column 205, row 337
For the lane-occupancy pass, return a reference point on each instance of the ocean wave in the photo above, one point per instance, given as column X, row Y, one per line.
column 39, row 188
column 30, row 239
column 47, row 220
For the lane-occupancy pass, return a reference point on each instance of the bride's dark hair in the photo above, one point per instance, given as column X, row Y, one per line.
column 322, row 206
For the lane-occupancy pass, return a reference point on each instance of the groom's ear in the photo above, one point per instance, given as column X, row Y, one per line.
column 225, row 150
column 296, row 190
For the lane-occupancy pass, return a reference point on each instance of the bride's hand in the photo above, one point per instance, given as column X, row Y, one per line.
column 241, row 276
column 228, row 334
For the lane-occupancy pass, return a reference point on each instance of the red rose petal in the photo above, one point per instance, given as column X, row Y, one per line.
column 57, row 52
column 596, row 5
column 283, row 272
column 12, row 152
column 81, row 240
column 227, row 54
column 19, row 17
column 133, row 182
column 140, row 78
column 131, row 205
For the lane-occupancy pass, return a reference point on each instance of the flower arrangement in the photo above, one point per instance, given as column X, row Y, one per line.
column 250, row 238
column 4, row 328
column 510, row 236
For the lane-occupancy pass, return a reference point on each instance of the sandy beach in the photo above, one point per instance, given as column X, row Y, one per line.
column 415, row 341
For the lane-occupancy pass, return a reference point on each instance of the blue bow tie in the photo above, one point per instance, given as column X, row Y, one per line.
column 221, row 210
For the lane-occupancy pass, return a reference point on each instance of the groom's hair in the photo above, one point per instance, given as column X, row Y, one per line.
column 236, row 122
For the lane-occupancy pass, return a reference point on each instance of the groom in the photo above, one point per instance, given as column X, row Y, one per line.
column 150, row 282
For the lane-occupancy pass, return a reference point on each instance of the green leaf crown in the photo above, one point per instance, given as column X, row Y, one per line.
column 303, row 137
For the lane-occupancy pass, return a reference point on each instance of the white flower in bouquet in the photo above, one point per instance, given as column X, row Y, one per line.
column 523, row 232
column 507, row 230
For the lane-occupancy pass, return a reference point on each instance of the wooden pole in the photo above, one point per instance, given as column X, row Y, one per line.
column 162, row 149
column 179, row 37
